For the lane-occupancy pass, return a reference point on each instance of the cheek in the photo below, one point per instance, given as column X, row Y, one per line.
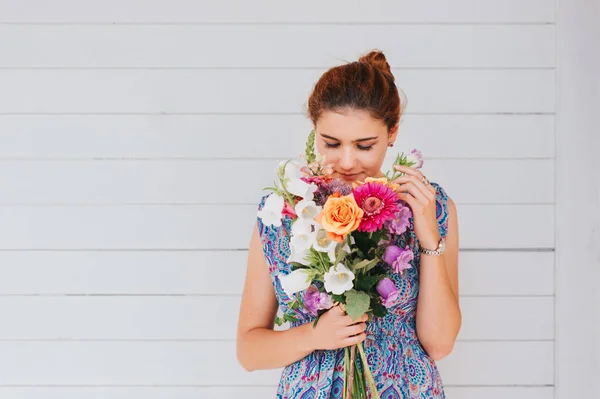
column 372, row 160
column 330, row 154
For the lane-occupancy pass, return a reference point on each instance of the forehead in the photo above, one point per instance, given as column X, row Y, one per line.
column 350, row 124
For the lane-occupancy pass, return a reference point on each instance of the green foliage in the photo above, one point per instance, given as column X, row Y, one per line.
column 310, row 147
column 339, row 298
column 365, row 245
column 378, row 309
column 366, row 264
column 357, row 303
column 365, row 283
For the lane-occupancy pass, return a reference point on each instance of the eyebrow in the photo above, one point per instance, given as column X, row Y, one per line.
column 356, row 141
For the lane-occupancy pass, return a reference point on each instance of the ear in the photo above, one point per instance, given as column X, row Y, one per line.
column 393, row 133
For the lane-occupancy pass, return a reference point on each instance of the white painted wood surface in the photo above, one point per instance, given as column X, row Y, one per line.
column 120, row 268
column 578, row 201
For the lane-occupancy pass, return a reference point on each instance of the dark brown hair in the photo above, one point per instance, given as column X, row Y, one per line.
column 367, row 84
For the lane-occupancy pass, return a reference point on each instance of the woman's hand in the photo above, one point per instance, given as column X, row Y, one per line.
column 422, row 200
column 335, row 329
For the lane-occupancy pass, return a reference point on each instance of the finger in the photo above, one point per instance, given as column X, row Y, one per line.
column 412, row 202
column 413, row 172
column 418, row 180
column 348, row 320
column 415, row 191
column 354, row 329
column 408, row 170
column 357, row 339
column 364, row 317
column 425, row 188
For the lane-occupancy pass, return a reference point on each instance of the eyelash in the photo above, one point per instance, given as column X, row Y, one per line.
column 359, row 147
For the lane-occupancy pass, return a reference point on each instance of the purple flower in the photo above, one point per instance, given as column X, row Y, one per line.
column 314, row 300
column 388, row 291
column 398, row 258
column 400, row 223
column 326, row 189
column 416, row 157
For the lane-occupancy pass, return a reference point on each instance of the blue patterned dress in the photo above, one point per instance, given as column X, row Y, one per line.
column 399, row 364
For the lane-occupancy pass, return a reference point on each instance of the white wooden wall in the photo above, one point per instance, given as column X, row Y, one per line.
column 123, row 244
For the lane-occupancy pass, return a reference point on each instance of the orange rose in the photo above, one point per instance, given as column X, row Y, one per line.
column 340, row 216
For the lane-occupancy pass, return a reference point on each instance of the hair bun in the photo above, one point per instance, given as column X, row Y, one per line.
column 378, row 60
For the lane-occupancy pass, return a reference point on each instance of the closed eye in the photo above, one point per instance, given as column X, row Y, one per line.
column 360, row 147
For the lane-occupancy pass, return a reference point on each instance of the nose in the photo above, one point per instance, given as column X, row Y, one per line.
column 346, row 160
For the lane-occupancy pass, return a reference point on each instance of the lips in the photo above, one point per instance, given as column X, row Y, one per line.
column 349, row 177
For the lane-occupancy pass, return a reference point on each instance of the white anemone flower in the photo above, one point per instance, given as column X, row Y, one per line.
column 271, row 212
column 296, row 186
column 323, row 244
column 296, row 281
column 339, row 279
column 301, row 239
column 301, row 188
column 307, row 210
column 298, row 256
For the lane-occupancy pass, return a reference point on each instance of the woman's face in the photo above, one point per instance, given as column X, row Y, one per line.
column 354, row 141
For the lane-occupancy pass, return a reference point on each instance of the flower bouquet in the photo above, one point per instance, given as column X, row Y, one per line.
column 340, row 235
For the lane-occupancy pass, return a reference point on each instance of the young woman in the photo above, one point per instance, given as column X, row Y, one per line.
column 355, row 109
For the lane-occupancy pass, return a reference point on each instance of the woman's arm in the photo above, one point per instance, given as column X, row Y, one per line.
column 438, row 313
column 258, row 345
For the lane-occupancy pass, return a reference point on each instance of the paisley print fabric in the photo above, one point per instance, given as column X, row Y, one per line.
column 401, row 367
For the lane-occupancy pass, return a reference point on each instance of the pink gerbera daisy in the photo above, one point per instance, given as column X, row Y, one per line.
column 379, row 203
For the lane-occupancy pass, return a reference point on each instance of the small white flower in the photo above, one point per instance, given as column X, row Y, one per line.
column 323, row 244
column 301, row 239
column 301, row 188
column 271, row 213
column 291, row 175
column 298, row 256
column 338, row 279
column 298, row 280
column 307, row 210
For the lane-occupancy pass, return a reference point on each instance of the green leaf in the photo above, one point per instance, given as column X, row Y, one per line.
column 357, row 303
column 378, row 309
column 289, row 317
column 365, row 283
column 364, row 243
column 366, row 263
column 319, row 314
column 372, row 265
column 341, row 254
column 339, row 298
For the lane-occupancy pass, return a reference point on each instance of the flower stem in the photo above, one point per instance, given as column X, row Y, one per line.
column 346, row 366
column 367, row 373
column 350, row 386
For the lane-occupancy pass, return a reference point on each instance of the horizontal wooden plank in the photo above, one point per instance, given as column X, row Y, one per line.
column 229, row 227
column 499, row 363
column 210, row 136
column 239, row 392
column 506, row 273
column 214, row 363
column 271, row 11
column 177, row 317
column 260, row 90
column 200, row 272
column 159, row 182
column 456, row 46
column 507, row 318
column 499, row 392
